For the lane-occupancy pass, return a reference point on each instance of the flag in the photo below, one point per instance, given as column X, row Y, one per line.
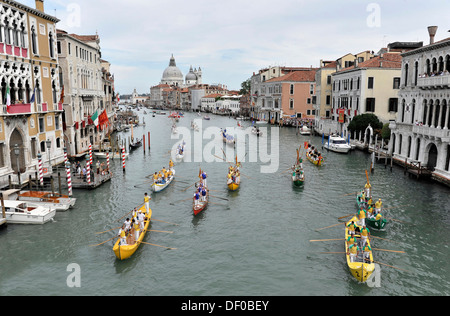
column 8, row 98
column 61, row 98
column 94, row 118
column 103, row 119
column 33, row 96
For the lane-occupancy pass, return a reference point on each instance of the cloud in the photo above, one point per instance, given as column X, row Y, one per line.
column 232, row 39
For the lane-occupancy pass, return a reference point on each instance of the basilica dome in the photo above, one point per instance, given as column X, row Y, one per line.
column 172, row 75
column 191, row 75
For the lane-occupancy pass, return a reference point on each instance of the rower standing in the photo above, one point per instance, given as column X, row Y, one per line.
column 365, row 233
column 147, row 202
column 353, row 251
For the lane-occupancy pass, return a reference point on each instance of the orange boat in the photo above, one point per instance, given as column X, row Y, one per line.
column 60, row 202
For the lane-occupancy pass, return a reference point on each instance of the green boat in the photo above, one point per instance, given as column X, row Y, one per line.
column 371, row 222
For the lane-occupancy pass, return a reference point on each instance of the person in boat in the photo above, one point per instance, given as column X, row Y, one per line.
column 140, row 219
column 351, row 240
column 170, row 164
column 361, row 215
column 353, row 251
column 204, row 176
column 123, row 237
column 368, row 189
column 203, row 194
column 127, row 224
column 370, row 211
column 365, row 233
column 378, row 206
column 366, row 253
column 155, row 178
column 196, row 198
column 137, row 229
column 351, row 227
column 147, row 201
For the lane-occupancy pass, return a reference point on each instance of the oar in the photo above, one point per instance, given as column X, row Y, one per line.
column 108, row 230
column 346, row 216
column 188, row 187
column 173, row 203
column 143, row 242
column 326, row 239
column 158, row 220
column 218, row 197
column 396, row 220
column 351, row 193
column 388, row 250
column 139, row 184
column 371, row 236
column 139, row 206
column 391, row 266
column 104, row 242
column 330, row 226
column 333, row 252
column 161, row 231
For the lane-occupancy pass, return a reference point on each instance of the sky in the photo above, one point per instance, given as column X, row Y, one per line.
column 230, row 40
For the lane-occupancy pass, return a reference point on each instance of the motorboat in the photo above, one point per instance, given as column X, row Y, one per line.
column 23, row 212
column 337, row 144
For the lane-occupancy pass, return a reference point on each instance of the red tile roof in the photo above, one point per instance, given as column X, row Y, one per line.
column 297, row 76
column 214, row 95
column 386, row 60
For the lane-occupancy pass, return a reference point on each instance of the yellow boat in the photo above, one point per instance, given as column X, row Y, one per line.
column 359, row 269
column 233, row 186
column 123, row 252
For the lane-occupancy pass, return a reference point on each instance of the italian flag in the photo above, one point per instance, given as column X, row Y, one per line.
column 8, row 98
column 94, row 118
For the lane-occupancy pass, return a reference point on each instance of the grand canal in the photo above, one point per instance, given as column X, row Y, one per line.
column 255, row 241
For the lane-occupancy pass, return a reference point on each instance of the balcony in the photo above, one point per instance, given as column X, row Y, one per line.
column 432, row 132
column 435, row 82
column 13, row 50
column 16, row 109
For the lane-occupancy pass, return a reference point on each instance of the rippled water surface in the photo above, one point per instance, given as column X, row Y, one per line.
column 255, row 241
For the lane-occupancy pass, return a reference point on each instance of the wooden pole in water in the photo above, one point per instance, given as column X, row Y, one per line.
column 3, row 205
column 143, row 141
column 149, row 141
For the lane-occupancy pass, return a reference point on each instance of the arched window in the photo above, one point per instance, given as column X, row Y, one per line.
column 416, row 72
column 406, row 74
column 34, row 40
column 413, row 110
column 50, row 44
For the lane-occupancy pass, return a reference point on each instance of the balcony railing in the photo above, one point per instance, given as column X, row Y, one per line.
column 431, row 132
column 435, row 82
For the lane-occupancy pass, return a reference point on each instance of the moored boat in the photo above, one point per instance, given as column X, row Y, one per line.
column 123, row 251
column 23, row 212
column 59, row 202
column 115, row 155
column 361, row 268
column 337, row 144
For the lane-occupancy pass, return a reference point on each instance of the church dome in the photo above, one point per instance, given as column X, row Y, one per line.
column 191, row 75
column 172, row 74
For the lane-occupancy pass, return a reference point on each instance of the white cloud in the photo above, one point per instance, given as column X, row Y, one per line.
column 232, row 39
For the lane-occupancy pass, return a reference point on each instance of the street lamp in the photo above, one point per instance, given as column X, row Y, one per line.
column 48, row 142
column 17, row 153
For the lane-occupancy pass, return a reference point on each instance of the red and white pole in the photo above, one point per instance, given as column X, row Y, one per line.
column 69, row 174
column 88, row 170
column 123, row 158
column 41, row 172
column 107, row 160
column 90, row 154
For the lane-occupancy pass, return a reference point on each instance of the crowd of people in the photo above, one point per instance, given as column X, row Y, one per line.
column 313, row 153
column 234, row 174
column 81, row 171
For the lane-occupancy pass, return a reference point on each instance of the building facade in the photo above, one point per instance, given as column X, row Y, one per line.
column 420, row 132
column 30, row 112
column 84, row 90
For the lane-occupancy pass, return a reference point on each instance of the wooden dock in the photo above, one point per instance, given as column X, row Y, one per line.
column 80, row 183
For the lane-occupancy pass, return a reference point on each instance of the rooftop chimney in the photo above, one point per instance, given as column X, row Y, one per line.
column 432, row 31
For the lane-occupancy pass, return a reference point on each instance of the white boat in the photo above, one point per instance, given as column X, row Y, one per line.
column 305, row 130
column 337, row 144
column 158, row 187
column 261, row 122
column 227, row 138
column 59, row 202
column 102, row 155
column 180, row 151
column 20, row 212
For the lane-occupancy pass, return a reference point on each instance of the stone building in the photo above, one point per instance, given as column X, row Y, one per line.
column 30, row 111
column 420, row 132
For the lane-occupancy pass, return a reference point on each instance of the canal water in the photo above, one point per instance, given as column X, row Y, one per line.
column 255, row 241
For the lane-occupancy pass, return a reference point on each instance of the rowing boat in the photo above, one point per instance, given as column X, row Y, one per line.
column 201, row 204
column 371, row 222
column 298, row 178
column 123, row 252
column 317, row 162
column 158, row 187
column 358, row 268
